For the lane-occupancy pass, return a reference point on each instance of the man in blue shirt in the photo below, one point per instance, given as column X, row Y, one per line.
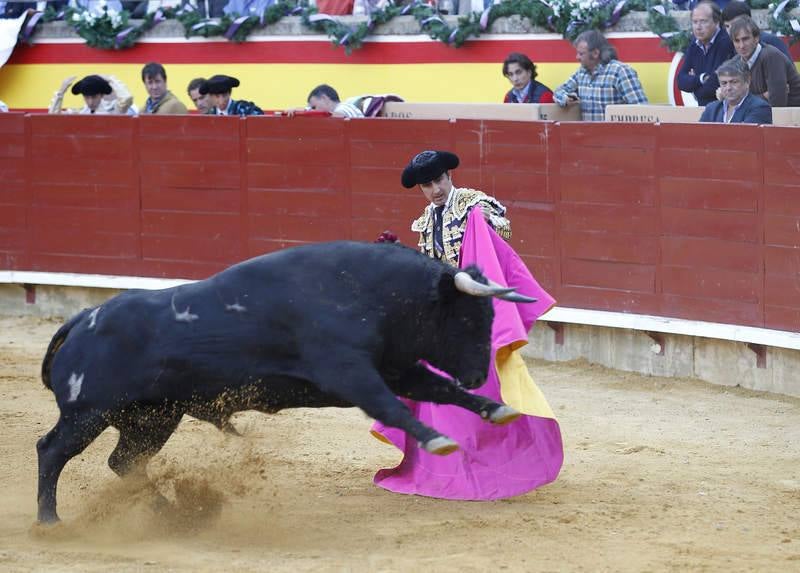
column 710, row 49
column 738, row 105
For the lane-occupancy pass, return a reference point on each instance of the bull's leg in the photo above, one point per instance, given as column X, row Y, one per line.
column 140, row 438
column 70, row 436
column 426, row 386
column 366, row 389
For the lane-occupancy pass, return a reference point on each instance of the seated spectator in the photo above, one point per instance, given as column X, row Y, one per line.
column 199, row 100
column 325, row 98
column 738, row 9
column 710, row 48
column 103, row 95
column 16, row 9
column 160, row 100
column 600, row 81
column 247, row 7
column 738, row 105
column 772, row 76
column 521, row 72
column 218, row 88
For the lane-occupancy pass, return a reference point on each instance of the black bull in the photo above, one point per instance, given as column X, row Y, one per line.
column 338, row 324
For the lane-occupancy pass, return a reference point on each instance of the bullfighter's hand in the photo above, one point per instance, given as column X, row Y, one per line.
column 487, row 212
column 66, row 83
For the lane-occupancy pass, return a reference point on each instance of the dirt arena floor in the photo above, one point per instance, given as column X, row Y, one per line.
column 659, row 475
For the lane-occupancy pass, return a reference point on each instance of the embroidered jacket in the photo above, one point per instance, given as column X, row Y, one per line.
column 454, row 222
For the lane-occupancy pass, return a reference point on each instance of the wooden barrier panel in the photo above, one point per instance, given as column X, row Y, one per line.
column 687, row 221
column 13, row 194
column 485, row 111
column 635, row 113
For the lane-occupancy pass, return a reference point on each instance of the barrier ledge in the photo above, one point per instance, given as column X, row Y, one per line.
column 89, row 281
column 640, row 322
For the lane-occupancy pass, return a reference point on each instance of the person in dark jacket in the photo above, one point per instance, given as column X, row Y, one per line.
column 735, row 10
column 710, row 49
column 219, row 89
column 521, row 72
column 738, row 105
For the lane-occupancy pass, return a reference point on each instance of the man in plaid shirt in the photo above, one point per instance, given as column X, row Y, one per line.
column 600, row 81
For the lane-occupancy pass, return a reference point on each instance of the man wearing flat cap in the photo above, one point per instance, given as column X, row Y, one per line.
column 441, row 226
column 218, row 88
column 102, row 95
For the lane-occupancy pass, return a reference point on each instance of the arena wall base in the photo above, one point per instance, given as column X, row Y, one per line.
column 718, row 361
column 723, row 362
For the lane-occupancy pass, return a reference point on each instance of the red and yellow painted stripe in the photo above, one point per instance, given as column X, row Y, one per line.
column 277, row 72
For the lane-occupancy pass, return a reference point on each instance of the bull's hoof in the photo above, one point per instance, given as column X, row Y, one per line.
column 503, row 415
column 440, row 446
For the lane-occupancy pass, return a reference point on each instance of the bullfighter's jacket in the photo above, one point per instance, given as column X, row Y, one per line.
column 454, row 222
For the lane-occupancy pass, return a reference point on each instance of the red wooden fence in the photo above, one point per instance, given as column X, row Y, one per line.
column 690, row 221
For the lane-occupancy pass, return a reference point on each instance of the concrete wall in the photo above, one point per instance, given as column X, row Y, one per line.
column 717, row 361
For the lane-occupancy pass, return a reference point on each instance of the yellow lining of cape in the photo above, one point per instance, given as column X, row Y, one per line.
column 517, row 387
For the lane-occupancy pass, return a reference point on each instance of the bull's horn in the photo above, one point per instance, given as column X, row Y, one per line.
column 512, row 296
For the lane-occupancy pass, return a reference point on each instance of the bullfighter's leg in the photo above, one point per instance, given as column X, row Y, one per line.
column 70, row 436
column 366, row 389
column 425, row 386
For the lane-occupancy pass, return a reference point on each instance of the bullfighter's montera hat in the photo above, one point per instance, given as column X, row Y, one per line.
column 219, row 84
column 91, row 86
column 427, row 166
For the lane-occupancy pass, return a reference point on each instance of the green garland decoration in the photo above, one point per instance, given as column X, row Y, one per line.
column 662, row 24
column 784, row 23
column 115, row 30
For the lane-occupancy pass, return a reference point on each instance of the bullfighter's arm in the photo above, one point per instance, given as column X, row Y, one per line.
column 58, row 97
column 496, row 219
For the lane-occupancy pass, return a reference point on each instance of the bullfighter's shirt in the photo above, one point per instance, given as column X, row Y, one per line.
column 454, row 222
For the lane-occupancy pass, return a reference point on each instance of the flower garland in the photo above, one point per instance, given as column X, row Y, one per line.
column 106, row 28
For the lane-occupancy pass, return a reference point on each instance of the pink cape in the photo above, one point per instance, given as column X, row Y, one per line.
column 493, row 462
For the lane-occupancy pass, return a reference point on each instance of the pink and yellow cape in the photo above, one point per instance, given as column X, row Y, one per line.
column 493, row 462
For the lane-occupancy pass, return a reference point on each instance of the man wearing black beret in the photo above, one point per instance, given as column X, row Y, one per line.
column 102, row 95
column 218, row 88
column 441, row 226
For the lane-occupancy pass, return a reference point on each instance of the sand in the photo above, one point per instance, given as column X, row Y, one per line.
column 659, row 475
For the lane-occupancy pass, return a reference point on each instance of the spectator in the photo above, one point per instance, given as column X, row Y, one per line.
column 3, row 107
column 160, row 100
column 441, row 226
column 521, row 72
column 600, row 81
column 737, row 105
column 219, row 89
column 247, row 7
column 199, row 100
column 772, row 76
column 711, row 47
column 101, row 95
column 737, row 9
column 325, row 98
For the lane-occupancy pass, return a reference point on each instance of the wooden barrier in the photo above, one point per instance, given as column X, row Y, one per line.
column 688, row 221
column 483, row 111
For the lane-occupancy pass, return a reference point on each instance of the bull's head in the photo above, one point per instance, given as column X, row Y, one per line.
column 463, row 346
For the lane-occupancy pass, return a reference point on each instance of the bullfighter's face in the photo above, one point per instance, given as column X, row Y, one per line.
column 438, row 190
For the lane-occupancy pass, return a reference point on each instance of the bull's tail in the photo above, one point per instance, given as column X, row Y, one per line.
column 58, row 340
